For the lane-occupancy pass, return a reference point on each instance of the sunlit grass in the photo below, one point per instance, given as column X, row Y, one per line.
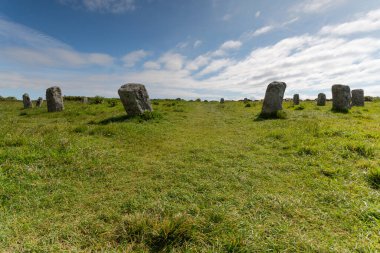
column 192, row 176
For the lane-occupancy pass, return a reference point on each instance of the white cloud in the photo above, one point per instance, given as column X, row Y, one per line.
column 197, row 43
column 263, row 30
column 314, row 6
column 231, row 44
column 110, row 6
column 134, row 57
column 368, row 23
column 215, row 66
column 172, row 61
column 257, row 14
column 227, row 17
column 152, row 65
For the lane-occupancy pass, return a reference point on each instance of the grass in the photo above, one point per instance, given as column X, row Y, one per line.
column 190, row 177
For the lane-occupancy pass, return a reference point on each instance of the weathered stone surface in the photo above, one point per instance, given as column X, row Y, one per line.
column 26, row 101
column 84, row 100
column 341, row 97
column 273, row 98
column 222, row 100
column 54, row 99
column 321, row 100
column 296, row 99
column 39, row 102
column 135, row 99
column 357, row 97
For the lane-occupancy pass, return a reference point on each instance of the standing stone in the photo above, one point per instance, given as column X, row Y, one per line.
column 273, row 98
column 341, row 97
column 321, row 100
column 135, row 99
column 39, row 102
column 222, row 100
column 245, row 100
column 296, row 99
column 26, row 100
column 84, row 100
column 357, row 97
column 54, row 99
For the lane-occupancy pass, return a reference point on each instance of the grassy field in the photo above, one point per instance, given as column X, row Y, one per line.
column 198, row 177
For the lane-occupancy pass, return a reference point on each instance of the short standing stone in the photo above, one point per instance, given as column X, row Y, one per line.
column 84, row 100
column 273, row 98
column 222, row 100
column 39, row 102
column 296, row 99
column 54, row 99
column 341, row 97
column 357, row 97
column 135, row 99
column 321, row 100
column 26, row 100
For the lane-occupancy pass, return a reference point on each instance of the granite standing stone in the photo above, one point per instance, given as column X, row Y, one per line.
column 54, row 99
column 357, row 97
column 39, row 102
column 296, row 99
column 26, row 100
column 321, row 100
column 135, row 99
column 84, row 100
column 341, row 97
column 273, row 98
column 222, row 100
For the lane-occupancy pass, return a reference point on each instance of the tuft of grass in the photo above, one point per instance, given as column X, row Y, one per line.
column 374, row 178
column 247, row 105
column 276, row 115
column 361, row 150
column 299, row 107
column 156, row 233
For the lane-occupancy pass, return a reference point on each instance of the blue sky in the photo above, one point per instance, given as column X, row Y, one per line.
column 188, row 48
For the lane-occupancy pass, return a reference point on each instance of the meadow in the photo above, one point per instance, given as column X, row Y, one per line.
column 191, row 177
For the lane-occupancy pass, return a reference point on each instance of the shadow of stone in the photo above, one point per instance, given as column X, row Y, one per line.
column 115, row 119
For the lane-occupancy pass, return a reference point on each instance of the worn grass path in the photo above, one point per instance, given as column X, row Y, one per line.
column 205, row 177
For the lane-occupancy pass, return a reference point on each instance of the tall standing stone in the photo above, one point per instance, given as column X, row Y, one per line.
column 296, row 99
column 54, row 99
column 39, row 102
column 273, row 98
column 357, row 97
column 341, row 97
column 26, row 101
column 135, row 99
column 84, row 100
column 222, row 100
column 321, row 100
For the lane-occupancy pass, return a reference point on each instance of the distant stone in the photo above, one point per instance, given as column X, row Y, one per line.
column 321, row 100
column 26, row 100
column 245, row 100
column 341, row 97
column 222, row 100
column 357, row 97
column 135, row 99
column 54, row 99
column 273, row 98
column 296, row 99
column 39, row 102
column 84, row 100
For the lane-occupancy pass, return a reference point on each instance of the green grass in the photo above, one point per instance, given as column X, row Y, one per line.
column 190, row 177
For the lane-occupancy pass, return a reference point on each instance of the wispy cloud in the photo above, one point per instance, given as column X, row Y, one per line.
column 134, row 57
column 23, row 45
column 369, row 23
column 314, row 6
column 110, row 6
column 263, row 30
